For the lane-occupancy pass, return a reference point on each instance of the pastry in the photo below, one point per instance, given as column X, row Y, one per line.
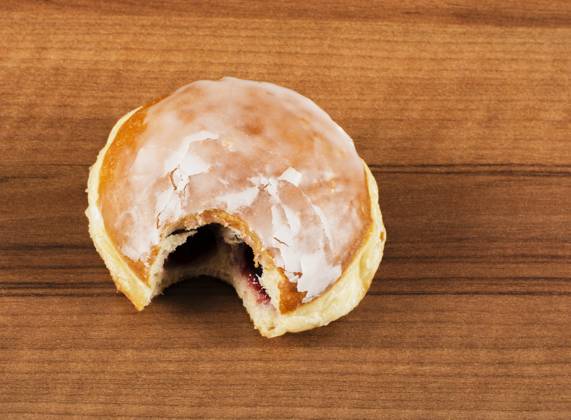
column 245, row 181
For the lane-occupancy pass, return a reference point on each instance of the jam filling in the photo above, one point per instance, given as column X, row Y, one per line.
column 253, row 273
column 204, row 244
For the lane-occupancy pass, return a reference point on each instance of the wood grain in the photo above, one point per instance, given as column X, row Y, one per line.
column 461, row 108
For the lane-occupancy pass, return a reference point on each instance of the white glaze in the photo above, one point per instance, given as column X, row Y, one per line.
column 292, row 176
column 259, row 151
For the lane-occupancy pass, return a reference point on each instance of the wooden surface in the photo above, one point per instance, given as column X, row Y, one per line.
column 461, row 108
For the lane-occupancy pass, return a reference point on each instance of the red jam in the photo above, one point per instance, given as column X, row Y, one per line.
column 255, row 283
column 253, row 273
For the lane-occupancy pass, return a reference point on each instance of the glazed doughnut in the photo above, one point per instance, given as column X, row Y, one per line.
column 246, row 181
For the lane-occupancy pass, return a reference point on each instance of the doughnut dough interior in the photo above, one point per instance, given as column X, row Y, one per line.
column 245, row 181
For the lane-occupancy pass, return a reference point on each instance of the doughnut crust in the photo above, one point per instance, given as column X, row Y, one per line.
column 269, row 169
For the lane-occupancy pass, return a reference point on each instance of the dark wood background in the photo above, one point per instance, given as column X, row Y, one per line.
column 462, row 109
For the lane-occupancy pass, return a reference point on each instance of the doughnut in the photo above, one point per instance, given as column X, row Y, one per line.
column 244, row 181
